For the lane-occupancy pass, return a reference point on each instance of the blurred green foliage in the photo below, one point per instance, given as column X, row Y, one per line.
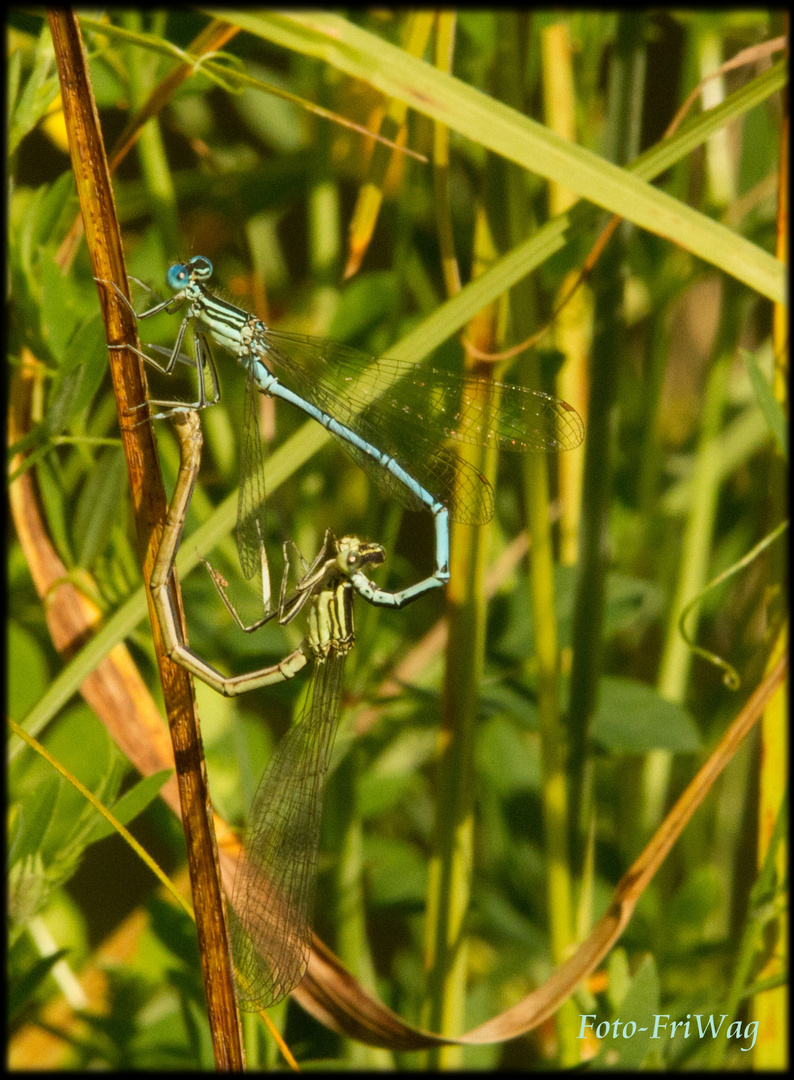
column 266, row 191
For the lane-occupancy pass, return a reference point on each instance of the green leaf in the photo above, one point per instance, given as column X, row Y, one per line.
column 26, row 206
column 514, row 700
column 35, row 815
column 630, row 602
column 52, row 492
column 505, row 757
column 377, row 795
column 29, row 891
column 171, row 925
column 59, row 317
column 132, row 803
column 701, row 896
column 280, row 124
column 37, row 94
column 626, row 1046
column 12, row 89
column 79, row 375
column 26, row 670
column 501, row 917
column 58, row 206
column 363, row 303
column 394, row 777
column 98, row 507
column 83, row 747
column 397, row 872
column 489, row 122
column 22, row 991
column 632, row 718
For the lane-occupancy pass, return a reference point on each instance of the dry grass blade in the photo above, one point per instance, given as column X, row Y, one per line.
column 544, row 1001
column 104, row 244
column 393, row 129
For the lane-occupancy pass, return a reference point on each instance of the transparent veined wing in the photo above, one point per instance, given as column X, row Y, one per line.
column 411, row 413
column 273, row 896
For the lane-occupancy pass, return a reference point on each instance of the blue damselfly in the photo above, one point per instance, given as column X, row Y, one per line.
column 393, row 418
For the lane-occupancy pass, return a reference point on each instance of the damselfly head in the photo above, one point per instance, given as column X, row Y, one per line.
column 199, row 268
column 353, row 553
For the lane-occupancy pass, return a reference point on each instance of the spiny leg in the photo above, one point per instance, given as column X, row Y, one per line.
column 203, row 354
column 289, row 605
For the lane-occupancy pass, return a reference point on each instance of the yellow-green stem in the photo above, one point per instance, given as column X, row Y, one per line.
column 695, row 555
column 554, row 795
column 552, row 734
column 451, row 863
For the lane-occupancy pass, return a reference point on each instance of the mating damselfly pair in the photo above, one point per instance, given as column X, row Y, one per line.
column 394, row 419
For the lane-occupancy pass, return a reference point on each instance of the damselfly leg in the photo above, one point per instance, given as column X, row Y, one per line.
column 204, row 362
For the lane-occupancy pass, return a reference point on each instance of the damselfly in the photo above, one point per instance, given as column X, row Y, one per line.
column 270, row 917
column 393, row 418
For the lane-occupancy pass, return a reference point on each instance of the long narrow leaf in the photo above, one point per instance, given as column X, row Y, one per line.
column 501, row 129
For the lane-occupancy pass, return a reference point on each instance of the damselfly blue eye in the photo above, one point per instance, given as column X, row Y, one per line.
column 177, row 276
